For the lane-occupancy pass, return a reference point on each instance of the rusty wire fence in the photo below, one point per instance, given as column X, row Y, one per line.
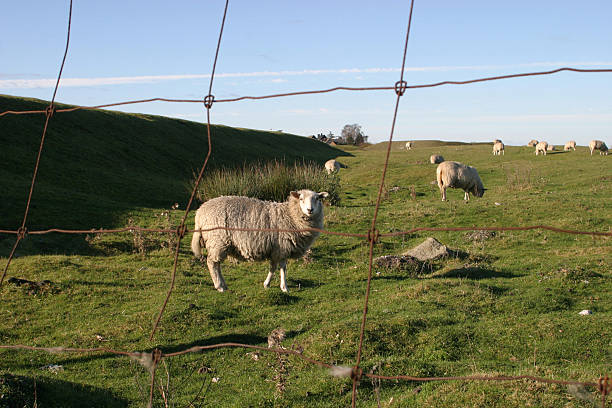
column 151, row 360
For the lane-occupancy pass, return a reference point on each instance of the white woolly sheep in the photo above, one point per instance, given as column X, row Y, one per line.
column 334, row 166
column 408, row 145
column 457, row 175
column 570, row 145
column 532, row 143
column 541, row 147
column 436, row 158
column 497, row 141
column 550, row 148
column 302, row 210
column 498, row 148
column 598, row 145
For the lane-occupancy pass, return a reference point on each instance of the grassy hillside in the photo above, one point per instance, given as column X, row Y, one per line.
column 511, row 307
column 98, row 165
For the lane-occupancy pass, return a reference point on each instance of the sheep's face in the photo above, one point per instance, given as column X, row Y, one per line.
column 478, row 191
column 310, row 202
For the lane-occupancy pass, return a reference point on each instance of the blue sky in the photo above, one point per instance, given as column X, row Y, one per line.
column 125, row 50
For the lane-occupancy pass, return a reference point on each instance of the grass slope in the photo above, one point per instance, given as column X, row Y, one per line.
column 97, row 165
column 510, row 308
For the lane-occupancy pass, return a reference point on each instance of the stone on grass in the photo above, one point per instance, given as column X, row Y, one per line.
column 432, row 249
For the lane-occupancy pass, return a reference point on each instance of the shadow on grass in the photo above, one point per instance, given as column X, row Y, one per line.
column 275, row 297
column 302, row 283
column 19, row 391
column 475, row 272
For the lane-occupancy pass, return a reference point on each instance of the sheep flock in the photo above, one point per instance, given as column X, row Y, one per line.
column 248, row 229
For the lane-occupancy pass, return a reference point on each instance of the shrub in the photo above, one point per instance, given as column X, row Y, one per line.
column 272, row 181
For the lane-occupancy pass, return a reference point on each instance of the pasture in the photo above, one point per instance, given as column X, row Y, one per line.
column 511, row 307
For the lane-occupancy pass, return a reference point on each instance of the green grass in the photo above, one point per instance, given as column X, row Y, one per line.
column 510, row 308
column 99, row 166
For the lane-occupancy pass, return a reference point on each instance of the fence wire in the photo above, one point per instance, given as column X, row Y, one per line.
column 151, row 360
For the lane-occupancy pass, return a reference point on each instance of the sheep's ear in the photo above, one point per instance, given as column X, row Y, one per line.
column 295, row 194
column 484, row 189
column 323, row 194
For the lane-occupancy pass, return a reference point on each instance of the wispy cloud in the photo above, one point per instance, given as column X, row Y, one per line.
column 542, row 117
column 104, row 81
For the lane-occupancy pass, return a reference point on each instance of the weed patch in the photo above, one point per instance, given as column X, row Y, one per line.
column 272, row 181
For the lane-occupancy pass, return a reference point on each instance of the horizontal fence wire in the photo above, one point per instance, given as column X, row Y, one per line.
column 322, row 231
column 151, row 359
column 335, row 370
column 320, row 91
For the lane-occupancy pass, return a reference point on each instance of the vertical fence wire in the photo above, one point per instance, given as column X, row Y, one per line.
column 49, row 113
column 208, row 101
column 373, row 234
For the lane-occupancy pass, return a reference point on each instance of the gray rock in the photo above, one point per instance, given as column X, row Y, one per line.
column 432, row 249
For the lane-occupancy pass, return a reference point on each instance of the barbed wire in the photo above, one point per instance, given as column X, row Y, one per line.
column 152, row 359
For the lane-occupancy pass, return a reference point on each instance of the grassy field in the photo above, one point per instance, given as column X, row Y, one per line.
column 98, row 167
column 511, row 307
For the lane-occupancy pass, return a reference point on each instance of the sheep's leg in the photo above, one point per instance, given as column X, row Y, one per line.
column 273, row 267
column 214, row 267
column 466, row 196
column 283, row 272
column 443, row 193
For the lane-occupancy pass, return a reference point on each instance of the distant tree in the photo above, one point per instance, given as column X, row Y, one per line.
column 353, row 134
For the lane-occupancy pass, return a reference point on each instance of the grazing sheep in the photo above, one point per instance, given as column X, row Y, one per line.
column 598, row 145
column 302, row 210
column 408, row 145
column 541, row 147
column 457, row 175
column 436, row 158
column 497, row 141
column 532, row 143
column 498, row 148
column 550, row 148
column 334, row 166
column 570, row 145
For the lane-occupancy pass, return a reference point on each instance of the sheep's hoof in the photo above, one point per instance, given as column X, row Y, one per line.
column 285, row 290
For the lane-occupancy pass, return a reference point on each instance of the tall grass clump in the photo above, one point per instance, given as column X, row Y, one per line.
column 272, row 181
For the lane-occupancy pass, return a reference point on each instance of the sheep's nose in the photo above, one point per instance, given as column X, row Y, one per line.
column 309, row 210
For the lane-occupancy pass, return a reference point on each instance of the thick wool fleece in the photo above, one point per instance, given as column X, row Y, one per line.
column 245, row 213
column 457, row 175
